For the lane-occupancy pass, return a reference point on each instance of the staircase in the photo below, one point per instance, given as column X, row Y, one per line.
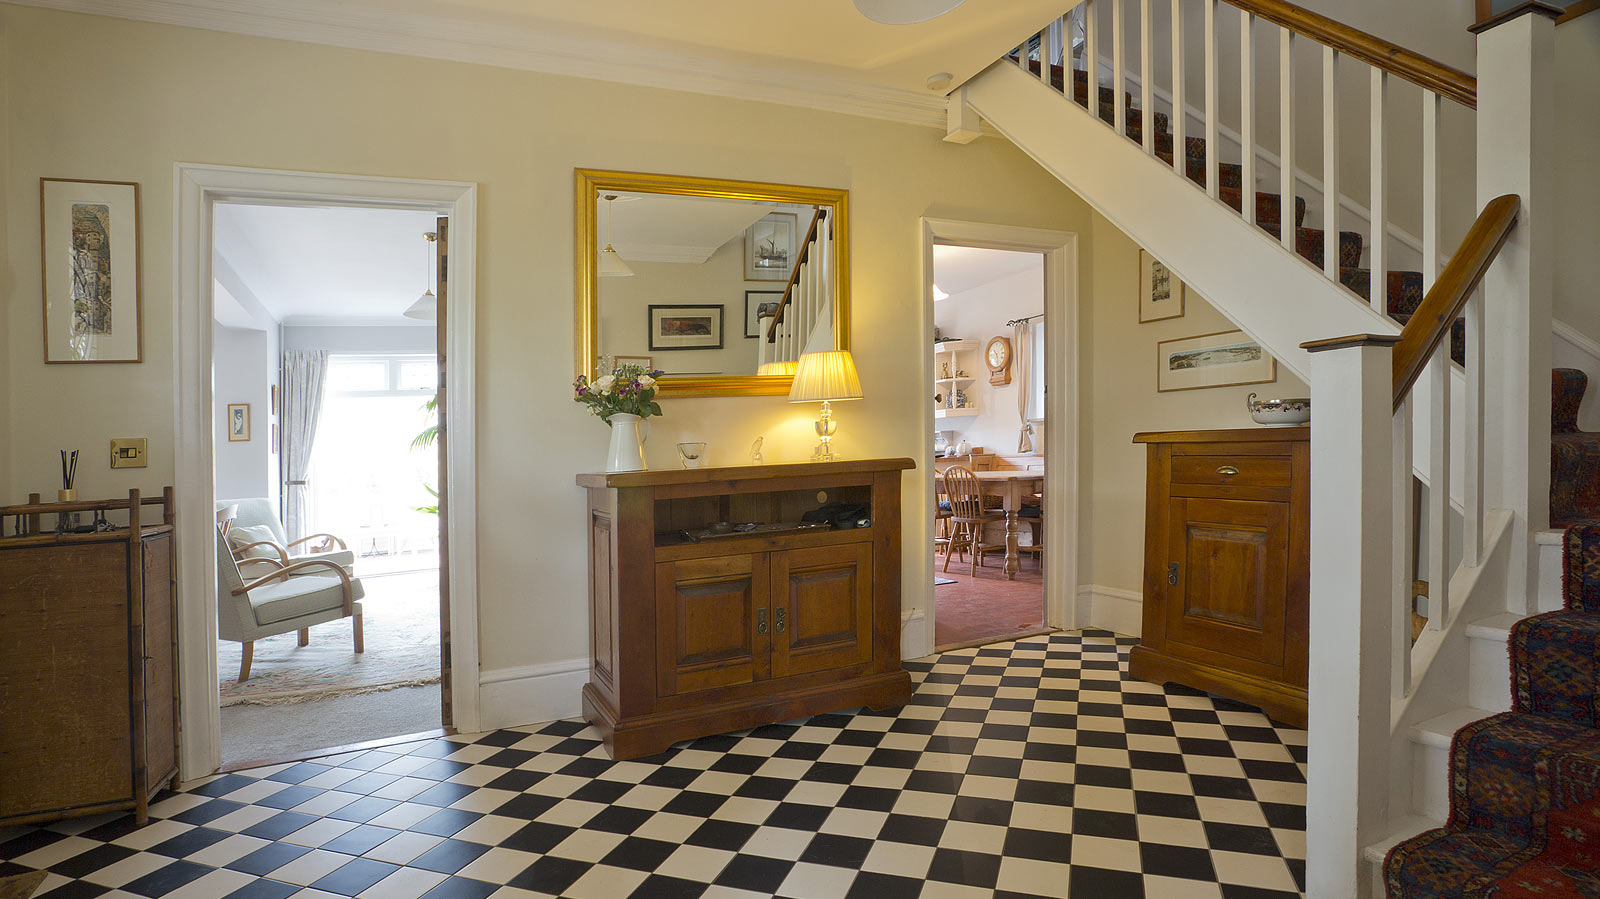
column 805, row 313
column 1436, row 375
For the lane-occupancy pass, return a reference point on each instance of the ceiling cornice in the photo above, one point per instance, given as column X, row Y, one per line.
column 438, row 37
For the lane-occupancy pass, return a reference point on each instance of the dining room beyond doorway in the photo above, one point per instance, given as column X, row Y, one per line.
column 989, row 380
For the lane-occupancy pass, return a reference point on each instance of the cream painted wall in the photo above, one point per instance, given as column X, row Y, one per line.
column 243, row 373
column 980, row 314
column 144, row 96
column 1123, row 401
column 1577, row 229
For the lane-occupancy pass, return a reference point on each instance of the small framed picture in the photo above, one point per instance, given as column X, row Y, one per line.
column 238, row 422
column 1223, row 359
column 1160, row 291
column 273, row 411
column 641, row 361
column 754, row 301
column 769, row 247
column 685, row 327
column 89, row 232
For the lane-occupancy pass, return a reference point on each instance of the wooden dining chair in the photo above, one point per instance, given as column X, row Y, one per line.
column 941, row 516
column 968, row 516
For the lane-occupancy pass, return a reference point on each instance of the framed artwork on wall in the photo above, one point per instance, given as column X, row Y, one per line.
column 1223, row 359
column 238, row 422
column 685, row 327
column 753, row 301
column 89, row 234
column 1160, row 291
column 769, row 247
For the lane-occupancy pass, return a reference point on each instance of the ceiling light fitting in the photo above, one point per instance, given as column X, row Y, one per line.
column 905, row 12
column 611, row 264
column 426, row 308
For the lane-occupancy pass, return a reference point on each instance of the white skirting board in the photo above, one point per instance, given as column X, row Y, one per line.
column 511, row 697
column 1111, row 608
column 914, row 634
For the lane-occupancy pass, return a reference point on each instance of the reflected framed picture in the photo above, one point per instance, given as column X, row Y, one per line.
column 1223, row 359
column 1160, row 291
column 769, row 247
column 238, row 422
column 685, row 327
column 753, row 301
column 89, row 234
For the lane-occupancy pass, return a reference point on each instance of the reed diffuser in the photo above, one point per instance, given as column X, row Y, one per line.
column 67, row 522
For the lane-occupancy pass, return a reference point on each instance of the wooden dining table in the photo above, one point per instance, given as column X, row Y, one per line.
column 1012, row 485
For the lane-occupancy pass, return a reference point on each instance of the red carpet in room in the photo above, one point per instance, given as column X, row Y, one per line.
column 988, row 606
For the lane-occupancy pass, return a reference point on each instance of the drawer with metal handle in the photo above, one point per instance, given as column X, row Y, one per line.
column 1232, row 471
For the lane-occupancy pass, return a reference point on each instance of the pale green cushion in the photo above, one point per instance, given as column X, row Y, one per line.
column 298, row 597
column 244, row 536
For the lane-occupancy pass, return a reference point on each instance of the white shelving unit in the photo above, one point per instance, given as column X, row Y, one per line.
column 959, row 355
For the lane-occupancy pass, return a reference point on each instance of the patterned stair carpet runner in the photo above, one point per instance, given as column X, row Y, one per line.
column 1525, row 785
column 1574, row 454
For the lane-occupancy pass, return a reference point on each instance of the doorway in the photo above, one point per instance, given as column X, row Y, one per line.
column 381, row 545
column 1002, row 448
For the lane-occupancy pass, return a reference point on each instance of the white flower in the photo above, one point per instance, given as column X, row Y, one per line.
column 604, row 384
column 646, row 381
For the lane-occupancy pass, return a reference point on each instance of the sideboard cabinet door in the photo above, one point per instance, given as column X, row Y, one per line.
column 710, row 623
column 822, row 608
column 1232, row 576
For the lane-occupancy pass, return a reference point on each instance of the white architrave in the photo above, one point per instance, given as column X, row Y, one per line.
column 195, row 189
column 1061, row 426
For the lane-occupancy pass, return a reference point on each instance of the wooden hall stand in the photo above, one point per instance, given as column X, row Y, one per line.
column 1227, row 565
column 88, row 661
column 697, row 629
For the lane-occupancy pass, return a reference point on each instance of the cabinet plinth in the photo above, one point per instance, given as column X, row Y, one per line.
column 1226, row 566
column 699, row 627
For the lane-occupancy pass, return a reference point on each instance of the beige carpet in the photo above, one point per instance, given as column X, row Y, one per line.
column 251, row 732
column 401, row 623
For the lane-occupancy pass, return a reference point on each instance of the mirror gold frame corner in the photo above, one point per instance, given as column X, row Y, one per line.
column 589, row 184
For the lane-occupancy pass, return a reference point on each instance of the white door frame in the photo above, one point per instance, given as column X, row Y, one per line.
column 195, row 189
column 1061, row 426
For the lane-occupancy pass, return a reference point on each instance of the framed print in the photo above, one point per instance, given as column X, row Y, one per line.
column 1224, row 359
column 1160, row 291
column 238, row 422
column 89, row 234
column 684, row 327
column 753, row 301
column 641, row 361
column 769, row 247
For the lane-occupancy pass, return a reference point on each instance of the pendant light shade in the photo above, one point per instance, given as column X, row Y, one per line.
column 611, row 264
column 426, row 307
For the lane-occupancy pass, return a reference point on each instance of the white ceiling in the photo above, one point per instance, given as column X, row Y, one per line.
column 818, row 53
column 957, row 270
column 661, row 228
column 303, row 264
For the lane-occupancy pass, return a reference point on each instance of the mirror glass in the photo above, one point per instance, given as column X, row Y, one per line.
column 719, row 284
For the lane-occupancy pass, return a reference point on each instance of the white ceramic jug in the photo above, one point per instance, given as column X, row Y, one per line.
column 627, row 443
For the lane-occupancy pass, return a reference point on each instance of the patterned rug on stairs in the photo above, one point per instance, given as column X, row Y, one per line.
column 1525, row 784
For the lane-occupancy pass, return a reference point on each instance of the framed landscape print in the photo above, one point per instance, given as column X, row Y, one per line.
column 753, row 301
column 238, row 422
column 1224, row 359
column 769, row 247
column 681, row 327
column 1160, row 291
column 89, row 232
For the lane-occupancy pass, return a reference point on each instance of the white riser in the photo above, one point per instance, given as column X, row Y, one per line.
column 1549, row 570
column 1489, row 663
column 1430, row 760
column 1401, row 829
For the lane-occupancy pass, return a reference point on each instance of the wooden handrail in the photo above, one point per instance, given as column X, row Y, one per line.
column 1445, row 300
column 1430, row 74
column 1582, row 7
column 794, row 276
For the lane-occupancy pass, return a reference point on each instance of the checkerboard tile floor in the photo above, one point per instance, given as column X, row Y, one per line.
column 1034, row 768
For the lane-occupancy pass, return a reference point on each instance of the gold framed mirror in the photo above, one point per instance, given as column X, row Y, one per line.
column 719, row 284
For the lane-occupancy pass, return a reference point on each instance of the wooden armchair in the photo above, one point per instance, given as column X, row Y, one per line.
column 968, row 515
column 294, row 596
column 257, row 514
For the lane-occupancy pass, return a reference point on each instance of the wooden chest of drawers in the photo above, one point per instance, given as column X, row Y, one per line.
column 694, row 634
column 1227, row 557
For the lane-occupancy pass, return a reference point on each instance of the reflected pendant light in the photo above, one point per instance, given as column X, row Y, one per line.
column 904, row 12
column 426, row 308
column 611, row 265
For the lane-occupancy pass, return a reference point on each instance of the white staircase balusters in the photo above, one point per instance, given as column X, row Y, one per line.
column 1438, row 507
column 1473, row 510
column 1330, row 163
column 1404, row 566
column 1247, row 116
column 1180, row 115
column 1147, row 78
column 1286, row 161
column 1213, row 108
column 1091, row 53
column 1119, row 67
column 1377, row 242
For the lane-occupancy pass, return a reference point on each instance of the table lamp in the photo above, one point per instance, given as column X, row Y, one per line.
column 827, row 376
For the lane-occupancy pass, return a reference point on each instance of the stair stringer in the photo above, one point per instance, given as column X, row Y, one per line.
column 1276, row 297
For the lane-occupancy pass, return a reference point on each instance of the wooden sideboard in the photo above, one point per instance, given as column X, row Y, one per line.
column 1226, row 565
column 695, row 633
column 88, row 663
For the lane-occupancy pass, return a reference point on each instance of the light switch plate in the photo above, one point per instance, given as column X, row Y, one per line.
column 129, row 452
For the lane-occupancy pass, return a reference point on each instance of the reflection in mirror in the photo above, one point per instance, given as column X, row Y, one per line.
column 721, row 285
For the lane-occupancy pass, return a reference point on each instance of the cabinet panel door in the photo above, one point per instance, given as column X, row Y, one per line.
column 822, row 608
column 160, row 660
column 1232, row 575
column 708, row 633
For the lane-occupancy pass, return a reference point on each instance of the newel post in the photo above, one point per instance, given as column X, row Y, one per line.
column 1516, row 141
column 1352, row 611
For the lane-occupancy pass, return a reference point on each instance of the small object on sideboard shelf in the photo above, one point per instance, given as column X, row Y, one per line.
column 755, row 451
column 1284, row 413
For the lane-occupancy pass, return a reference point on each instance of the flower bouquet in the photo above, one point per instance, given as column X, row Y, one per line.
column 623, row 400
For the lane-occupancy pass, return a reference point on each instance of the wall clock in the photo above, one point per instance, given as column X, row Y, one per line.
column 998, row 356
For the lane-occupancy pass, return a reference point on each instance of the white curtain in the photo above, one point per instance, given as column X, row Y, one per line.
column 1022, row 349
column 304, row 381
